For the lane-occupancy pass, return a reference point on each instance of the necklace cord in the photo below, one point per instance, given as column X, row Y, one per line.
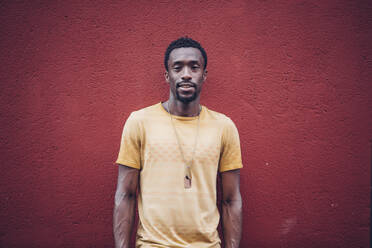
column 187, row 166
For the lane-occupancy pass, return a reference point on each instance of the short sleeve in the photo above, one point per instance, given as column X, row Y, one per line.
column 231, row 157
column 130, row 145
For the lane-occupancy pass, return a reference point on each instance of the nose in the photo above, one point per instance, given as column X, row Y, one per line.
column 186, row 74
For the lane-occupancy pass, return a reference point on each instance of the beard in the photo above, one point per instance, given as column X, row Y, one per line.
column 186, row 99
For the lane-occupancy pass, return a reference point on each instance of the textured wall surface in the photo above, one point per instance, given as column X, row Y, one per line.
column 295, row 76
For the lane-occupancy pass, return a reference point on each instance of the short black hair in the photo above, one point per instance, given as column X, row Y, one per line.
column 184, row 42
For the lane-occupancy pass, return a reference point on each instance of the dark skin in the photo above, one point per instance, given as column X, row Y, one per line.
column 125, row 204
column 185, row 68
column 231, row 208
column 186, row 75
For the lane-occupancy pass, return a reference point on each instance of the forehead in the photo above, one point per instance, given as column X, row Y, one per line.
column 185, row 54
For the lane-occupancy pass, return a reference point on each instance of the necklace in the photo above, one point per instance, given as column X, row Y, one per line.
column 188, row 175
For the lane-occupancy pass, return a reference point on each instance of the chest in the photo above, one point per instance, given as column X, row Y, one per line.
column 169, row 141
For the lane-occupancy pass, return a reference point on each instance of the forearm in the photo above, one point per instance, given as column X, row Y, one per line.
column 124, row 213
column 232, row 222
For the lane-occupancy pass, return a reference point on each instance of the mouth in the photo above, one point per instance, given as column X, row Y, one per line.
column 186, row 85
column 186, row 88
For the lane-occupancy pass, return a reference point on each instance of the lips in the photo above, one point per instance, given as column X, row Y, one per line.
column 185, row 85
column 186, row 88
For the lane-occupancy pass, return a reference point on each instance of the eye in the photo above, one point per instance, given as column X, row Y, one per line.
column 177, row 68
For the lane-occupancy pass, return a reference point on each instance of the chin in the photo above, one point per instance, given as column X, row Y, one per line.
column 186, row 99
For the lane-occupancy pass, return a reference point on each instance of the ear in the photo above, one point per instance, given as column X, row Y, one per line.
column 205, row 73
column 166, row 76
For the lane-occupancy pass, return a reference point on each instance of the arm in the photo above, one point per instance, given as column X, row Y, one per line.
column 125, row 203
column 231, row 208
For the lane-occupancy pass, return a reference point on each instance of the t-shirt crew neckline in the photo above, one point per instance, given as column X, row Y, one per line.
column 185, row 118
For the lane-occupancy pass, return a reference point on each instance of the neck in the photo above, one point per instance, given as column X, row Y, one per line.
column 182, row 109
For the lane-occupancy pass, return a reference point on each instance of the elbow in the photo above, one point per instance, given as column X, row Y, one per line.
column 124, row 196
column 233, row 202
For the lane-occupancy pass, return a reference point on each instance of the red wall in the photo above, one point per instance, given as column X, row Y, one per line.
column 295, row 76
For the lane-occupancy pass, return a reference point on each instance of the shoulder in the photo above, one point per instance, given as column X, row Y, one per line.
column 218, row 117
column 145, row 113
column 223, row 123
column 137, row 119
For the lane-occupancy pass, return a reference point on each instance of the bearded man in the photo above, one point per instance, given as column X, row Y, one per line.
column 171, row 153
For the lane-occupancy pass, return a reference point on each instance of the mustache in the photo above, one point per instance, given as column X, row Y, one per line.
column 186, row 82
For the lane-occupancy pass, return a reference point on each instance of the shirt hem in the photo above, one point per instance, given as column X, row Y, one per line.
column 128, row 163
column 231, row 167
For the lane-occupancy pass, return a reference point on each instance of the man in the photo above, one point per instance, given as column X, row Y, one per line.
column 171, row 152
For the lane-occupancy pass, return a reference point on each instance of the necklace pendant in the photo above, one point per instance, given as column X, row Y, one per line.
column 187, row 178
column 187, row 182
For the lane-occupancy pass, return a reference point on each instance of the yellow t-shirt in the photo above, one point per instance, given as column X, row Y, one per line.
column 170, row 214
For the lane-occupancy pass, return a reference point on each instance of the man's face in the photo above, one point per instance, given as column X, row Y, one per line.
column 185, row 73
